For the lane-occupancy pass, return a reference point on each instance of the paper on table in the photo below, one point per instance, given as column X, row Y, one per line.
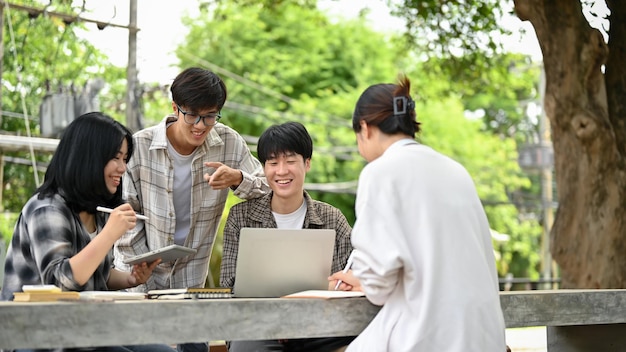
column 40, row 288
column 325, row 294
column 111, row 295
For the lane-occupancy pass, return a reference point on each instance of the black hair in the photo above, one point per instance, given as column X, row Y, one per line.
column 389, row 107
column 198, row 89
column 289, row 137
column 76, row 170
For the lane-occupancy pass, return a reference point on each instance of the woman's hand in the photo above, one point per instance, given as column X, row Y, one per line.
column 122, row 219
column 349, row 282
column 141, row 273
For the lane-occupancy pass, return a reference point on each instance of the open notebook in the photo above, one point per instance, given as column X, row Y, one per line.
column 277, row 262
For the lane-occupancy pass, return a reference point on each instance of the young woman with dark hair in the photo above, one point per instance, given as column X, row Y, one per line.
column 59, row 238
column 422, row 243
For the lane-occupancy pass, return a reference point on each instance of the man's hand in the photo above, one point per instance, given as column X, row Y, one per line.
column 223, row 177
column 141, row 272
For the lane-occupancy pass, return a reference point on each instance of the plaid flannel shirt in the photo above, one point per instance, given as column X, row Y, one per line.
column 258, row 213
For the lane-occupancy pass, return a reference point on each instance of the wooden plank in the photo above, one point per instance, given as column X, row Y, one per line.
column 10, row 143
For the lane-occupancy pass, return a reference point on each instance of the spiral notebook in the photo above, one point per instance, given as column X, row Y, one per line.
column 191, row 293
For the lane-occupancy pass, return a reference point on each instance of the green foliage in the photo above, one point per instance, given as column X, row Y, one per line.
column 216, row 254
column 156, row 103
column 6, row 226
column 287, row 62
column 462, row 33
column 284, row 60
column 44, row 54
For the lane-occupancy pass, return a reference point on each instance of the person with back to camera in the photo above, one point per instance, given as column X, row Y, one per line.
column 60, row 239
column 180, row 176
column 422, row 243
column 285, row 151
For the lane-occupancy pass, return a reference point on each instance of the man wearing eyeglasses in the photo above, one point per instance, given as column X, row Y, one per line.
column 179, row 177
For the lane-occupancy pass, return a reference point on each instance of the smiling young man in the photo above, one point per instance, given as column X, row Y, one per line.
column 179, row 177
column 285, row 151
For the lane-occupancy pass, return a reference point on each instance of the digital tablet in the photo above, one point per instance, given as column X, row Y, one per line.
column 167, row 254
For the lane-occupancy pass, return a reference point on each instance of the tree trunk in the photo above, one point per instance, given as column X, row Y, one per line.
column 586, row 112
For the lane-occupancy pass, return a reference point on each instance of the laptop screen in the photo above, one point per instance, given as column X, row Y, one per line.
column 277, row 262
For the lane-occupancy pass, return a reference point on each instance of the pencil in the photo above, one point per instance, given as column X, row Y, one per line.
column 109, row 210
column 345, row 270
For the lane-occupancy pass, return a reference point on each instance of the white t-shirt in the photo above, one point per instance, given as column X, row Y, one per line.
column 293, row 220
column 181, row 193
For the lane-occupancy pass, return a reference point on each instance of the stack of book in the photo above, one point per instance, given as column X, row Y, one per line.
column 43, row 293
column 191, row 293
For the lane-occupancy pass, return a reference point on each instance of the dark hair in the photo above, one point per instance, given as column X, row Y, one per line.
column 285, row 138
column 389, row 107
column 198, row 89
column 76, row 170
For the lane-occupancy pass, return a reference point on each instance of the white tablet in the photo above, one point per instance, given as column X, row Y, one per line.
column 167, row 254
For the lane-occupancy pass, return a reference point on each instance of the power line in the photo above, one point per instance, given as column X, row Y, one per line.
column 284, row 115
column 239, row 78
column 263, row 89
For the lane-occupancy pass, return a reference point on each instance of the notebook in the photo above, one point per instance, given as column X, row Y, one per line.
column 277, row 262
column 191, row 293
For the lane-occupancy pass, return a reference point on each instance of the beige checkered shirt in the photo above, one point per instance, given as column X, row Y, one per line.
column 148, row 184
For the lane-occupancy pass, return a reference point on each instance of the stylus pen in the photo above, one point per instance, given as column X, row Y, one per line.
column 345, row 270
column 109, row 210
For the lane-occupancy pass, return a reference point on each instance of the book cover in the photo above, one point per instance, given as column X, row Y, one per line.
column 43, row 296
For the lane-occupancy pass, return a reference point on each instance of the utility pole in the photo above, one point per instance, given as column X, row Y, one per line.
column 133, row 116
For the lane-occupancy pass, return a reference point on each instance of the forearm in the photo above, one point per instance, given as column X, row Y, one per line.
column 86, row 262
column 118, row 280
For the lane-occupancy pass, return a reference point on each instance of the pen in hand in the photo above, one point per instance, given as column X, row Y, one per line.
column 109, row 210
column 345, row 270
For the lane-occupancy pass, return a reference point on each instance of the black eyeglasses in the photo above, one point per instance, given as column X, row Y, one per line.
column 193, row 118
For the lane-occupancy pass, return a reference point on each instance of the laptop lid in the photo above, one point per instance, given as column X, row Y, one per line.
column 277, row 262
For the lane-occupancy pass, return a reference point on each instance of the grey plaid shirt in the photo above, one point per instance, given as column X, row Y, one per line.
column 148, row 185
column 47, row 234
column 258, row 213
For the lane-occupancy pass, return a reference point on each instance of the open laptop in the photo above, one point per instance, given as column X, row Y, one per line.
column 277, row 262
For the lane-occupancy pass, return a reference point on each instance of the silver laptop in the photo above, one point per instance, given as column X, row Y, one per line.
column 277, row 262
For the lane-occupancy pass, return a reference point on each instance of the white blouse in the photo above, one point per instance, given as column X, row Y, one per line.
column 423, row 250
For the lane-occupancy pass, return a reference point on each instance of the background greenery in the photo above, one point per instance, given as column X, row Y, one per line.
column 287, row 60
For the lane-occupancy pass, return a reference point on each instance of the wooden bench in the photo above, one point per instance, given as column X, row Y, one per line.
column 576, row 320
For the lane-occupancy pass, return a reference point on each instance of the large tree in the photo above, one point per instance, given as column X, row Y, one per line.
column 584, row 102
